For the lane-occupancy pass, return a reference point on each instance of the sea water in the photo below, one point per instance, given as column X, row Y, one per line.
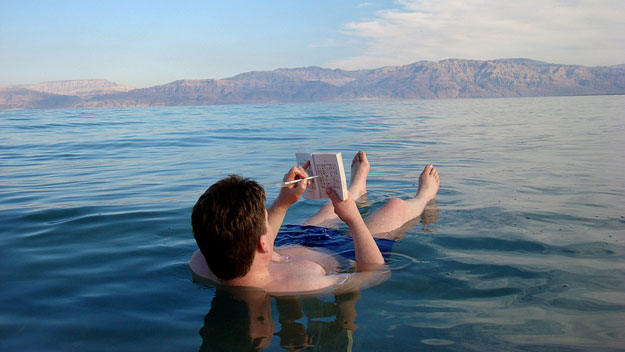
column 523, row 250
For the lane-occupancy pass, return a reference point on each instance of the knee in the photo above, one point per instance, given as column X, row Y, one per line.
column 396, row 203
column 395, row 208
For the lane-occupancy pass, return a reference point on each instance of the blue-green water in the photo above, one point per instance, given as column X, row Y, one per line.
column 525, row 251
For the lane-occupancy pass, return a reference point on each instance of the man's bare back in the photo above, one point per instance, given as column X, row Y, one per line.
column 297, row 269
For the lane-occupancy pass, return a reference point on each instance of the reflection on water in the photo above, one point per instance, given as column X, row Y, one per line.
column 242, row 320
column 238, row 321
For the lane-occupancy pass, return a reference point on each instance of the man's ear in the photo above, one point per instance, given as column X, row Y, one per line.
column 263, row 244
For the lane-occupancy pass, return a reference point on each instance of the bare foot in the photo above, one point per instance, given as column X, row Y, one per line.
column 428, row 183
column 359, row 173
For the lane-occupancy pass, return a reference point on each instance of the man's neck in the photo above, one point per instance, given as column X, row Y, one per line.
column 258, row 276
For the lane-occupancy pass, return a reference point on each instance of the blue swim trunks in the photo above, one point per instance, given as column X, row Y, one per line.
column 323, row 237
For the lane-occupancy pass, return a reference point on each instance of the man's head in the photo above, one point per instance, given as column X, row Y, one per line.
column 228, row 221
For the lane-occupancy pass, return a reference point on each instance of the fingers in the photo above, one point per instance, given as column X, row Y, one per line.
column 301, row 171
column 345, row 209
column 301, row 186
column 333, row 196
column 294, row 173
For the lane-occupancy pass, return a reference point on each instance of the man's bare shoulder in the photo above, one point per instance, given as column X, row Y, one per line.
column 325, row 258
column 304, row 274
column 314, row 270
column 200, row 268
column 302, row 270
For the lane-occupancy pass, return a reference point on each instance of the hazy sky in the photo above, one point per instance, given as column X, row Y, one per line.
column 144, row 43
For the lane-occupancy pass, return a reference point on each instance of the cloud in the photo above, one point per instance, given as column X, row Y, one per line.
column 582, row 32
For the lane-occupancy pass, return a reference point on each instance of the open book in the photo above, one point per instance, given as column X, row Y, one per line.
column 328, row 167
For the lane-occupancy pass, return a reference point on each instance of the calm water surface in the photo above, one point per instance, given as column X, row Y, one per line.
column 524, row 251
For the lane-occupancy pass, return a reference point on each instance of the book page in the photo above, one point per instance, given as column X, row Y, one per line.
column 329, row 168
column 312, row 191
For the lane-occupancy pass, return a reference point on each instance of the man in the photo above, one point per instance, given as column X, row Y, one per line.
column 235, row 234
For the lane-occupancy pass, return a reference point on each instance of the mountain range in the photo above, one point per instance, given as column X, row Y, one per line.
column 452, row 78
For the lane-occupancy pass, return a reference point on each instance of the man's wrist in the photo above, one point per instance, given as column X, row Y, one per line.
column 356, row 221
column 281, row 202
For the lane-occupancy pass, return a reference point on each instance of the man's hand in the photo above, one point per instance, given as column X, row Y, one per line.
column 291, row 193
column 345, row 209
column 368, row 256
column 288, row 195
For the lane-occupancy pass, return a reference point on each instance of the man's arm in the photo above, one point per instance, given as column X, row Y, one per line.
column 288, row 195
column 368, row 256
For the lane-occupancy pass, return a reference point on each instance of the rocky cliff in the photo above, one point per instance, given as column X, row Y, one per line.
column 453, row 78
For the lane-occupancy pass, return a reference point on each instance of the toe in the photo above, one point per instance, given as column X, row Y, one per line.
column 359, row 158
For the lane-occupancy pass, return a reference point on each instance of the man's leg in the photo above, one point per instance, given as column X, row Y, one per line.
column 392, row 215
column 397, row 212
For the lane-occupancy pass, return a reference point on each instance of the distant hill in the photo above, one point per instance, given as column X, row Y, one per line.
column 78, row 87
column 56, row 94
column 452, row 78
